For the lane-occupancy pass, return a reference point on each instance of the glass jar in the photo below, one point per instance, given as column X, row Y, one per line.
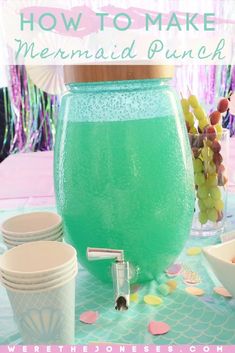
column 123, row 172
column 210, row 158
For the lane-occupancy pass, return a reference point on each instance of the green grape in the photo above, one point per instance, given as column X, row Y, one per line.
column 211, row 168
column 201, row 205
column 193, row 130
column 209, row 202
column 198, row 165
column 215, row 192
column 207, row 154
column 219, row 130
column 202, row 192
column 203, row 123
column 185, row 105
column 204, row 152
column 203, row 217
column 193, row 101
column 199, row 113
column 212, row 180
column 219, row 205
column 212, row 214
column 189, row 118
column 210, row 154
column 199, row 178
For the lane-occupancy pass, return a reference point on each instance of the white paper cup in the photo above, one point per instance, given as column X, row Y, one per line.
column 40, row 279
column 45, row 316
column 12, row 245
column 37, row 259
column 35, row 223
column 21, row 241
column 41, row 285
column 25, row 237
column 28, row 240
column 10, row 287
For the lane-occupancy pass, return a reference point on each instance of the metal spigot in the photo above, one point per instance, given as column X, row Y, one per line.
column 120, row 274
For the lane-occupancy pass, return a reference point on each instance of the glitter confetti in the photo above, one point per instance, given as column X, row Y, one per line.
column 194, row 251
column 158, row 328
column 89, row 317
column 195, row 291
column 223, row 292
column 152, row 300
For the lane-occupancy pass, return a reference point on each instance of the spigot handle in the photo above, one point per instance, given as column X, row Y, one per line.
column 120, row 274
column 94, row 254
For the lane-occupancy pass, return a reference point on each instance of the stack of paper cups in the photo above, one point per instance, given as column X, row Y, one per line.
column 30, row 227
column 40, row 281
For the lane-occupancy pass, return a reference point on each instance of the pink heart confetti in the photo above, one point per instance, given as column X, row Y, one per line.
column 89, row 317
column 223, row 292
column 158, row 328
column 174, row 270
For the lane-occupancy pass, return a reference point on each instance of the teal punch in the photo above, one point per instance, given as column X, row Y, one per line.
column 123, row 173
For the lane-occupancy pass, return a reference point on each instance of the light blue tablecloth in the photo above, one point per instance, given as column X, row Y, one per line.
column 192, row 320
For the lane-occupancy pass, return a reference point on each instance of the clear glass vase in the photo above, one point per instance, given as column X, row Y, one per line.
column 210, row 159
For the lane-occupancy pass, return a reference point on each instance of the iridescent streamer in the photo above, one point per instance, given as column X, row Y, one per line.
column 33, row 114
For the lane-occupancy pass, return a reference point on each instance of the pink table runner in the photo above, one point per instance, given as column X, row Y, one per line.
column 26, row 179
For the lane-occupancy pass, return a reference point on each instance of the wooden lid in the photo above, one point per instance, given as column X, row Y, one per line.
column 100, row 73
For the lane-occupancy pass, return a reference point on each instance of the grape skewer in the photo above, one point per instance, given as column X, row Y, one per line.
column 205, row 134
